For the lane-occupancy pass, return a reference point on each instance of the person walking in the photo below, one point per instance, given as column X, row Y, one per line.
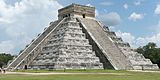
column 4, row 70
column 0, row 70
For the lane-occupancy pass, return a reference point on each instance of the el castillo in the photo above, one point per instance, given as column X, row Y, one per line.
column 78, row 41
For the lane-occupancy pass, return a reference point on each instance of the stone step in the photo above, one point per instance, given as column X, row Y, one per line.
column 146, row 67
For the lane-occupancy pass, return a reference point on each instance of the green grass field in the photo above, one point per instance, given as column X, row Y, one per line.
column 122, row 75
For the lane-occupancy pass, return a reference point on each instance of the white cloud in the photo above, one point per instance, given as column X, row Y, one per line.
column 110, row 19
column 135, row 16
column 144, row 40
column 89, row 5
column 137, row 3
column 24, row 20
column 106, row 3
column 139, row 41
column 4, row 12
column 157, row 10
column 127, row 37
column 6, row 46
column 156, row 27
column 96, row 13
column 125, row 6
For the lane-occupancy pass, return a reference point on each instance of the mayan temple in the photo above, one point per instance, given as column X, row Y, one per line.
column 78, row 41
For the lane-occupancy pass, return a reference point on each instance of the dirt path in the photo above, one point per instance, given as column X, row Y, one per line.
column 63, row 73
column 144, row 71
column 57, row 73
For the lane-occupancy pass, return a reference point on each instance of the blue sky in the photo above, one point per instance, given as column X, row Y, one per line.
column 139, row 27
column 136, row 21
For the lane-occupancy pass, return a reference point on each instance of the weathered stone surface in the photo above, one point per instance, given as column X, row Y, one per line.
column 67, row 48
column 76, row 10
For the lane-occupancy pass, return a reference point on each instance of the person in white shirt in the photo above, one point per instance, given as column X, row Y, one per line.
column 1, row 70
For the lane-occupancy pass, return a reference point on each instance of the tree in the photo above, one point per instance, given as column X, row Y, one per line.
column 150, row 51
column 4, row 58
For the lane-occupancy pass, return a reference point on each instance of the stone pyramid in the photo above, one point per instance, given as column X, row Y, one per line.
column 78, row 41
column 67, row 47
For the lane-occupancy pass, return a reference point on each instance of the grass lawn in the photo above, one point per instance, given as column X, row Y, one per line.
column 128, row 76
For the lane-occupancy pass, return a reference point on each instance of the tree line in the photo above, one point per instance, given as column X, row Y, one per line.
column 4, row 58
column 151, row 52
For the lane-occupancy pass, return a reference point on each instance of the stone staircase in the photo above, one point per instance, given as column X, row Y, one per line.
column 109, row 49
column 31, row 50
column 138, row 61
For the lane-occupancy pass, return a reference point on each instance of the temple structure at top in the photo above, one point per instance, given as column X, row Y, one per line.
column 78, row 41
column 76, row 10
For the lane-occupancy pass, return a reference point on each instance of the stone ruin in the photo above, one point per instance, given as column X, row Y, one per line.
column 78, row 41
